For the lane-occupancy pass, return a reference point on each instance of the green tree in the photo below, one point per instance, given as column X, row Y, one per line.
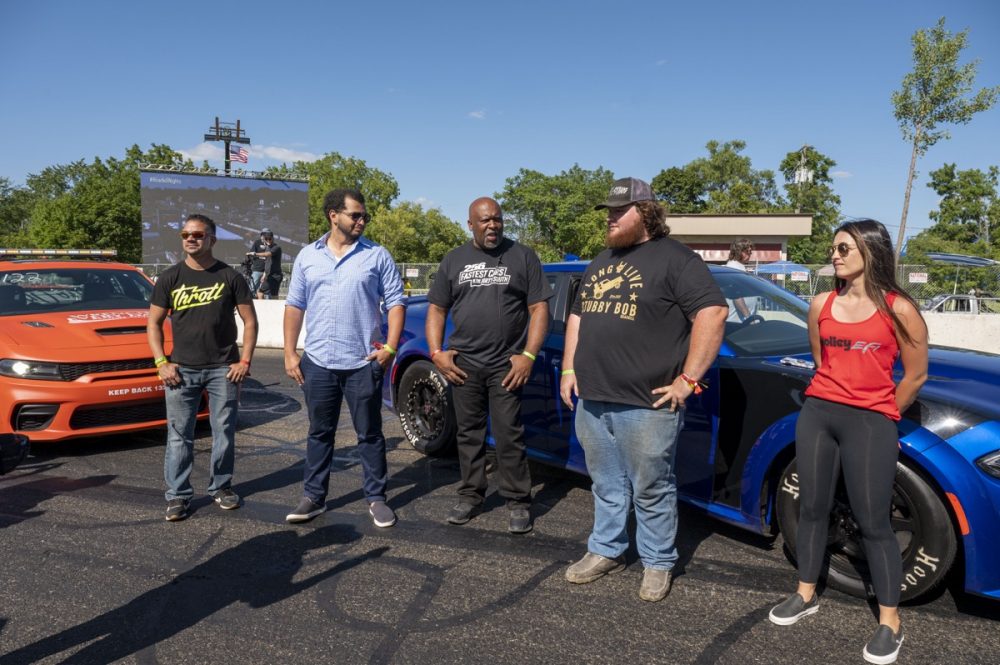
column 724, row 182
column 15, row 211
column 333, row 171
column 968, row 214
column 555, row 214
column 814, row 195
column 937, row 92
column 414, row 235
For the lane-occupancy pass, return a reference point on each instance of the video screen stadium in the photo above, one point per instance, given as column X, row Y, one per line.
column 240, row 207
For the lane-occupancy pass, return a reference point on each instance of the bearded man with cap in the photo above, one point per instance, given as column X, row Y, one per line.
column 266, row 266
column 644, row 329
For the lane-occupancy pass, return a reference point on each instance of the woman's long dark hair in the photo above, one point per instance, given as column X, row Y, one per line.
column 875, row 245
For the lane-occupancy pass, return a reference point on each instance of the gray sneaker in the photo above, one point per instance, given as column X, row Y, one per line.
column 520, row 520
column 792, row 609
column 382, row 514
column 883, row 647
column 463, row 512
column 593, row 566
column 305, row 511
column 655, row 585
column 227, row 499
column 177, row 509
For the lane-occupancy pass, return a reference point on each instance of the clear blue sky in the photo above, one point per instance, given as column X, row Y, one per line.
column 452, row 98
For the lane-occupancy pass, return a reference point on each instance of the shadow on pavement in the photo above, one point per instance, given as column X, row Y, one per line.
column 18, row 501
column 257, row 572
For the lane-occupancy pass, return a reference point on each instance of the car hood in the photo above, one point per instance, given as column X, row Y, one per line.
column 74, row 336
column 967, row 379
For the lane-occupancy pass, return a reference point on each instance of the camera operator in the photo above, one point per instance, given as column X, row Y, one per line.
column 266, row 266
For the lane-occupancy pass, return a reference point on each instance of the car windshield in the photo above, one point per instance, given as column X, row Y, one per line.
column 764, row 320
column 35, row 291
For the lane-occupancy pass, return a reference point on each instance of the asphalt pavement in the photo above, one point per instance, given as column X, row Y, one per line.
column 91, row 573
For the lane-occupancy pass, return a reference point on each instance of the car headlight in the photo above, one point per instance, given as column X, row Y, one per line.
column 990, row 463
column 30, row 369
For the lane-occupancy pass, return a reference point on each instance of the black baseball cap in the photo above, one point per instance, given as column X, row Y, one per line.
column 625, row 191
column 266, row 232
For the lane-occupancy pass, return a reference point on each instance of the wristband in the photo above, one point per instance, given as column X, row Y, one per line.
column 392, row 351
column 435, row 352
column 529, row 354
column 244, row 362
column 568, row 371
column 159, row 362
column 692, row 383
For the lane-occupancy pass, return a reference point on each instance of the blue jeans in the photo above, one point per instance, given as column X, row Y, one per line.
column 182, row 410
column 630, row 454
column 255, row 277
column 325, row 389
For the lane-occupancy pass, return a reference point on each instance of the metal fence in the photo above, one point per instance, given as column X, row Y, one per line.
column 924, row 283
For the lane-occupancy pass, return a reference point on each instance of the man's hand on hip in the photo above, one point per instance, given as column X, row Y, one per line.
column 445, row 362
column 520, row 370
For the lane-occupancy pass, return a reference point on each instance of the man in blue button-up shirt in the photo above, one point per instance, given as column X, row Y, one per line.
column 337, row 285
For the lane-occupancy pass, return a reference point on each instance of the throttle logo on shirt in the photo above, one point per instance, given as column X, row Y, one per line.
column 186, row 297
column 477, row 274
column 849, row 344
column 613, row 290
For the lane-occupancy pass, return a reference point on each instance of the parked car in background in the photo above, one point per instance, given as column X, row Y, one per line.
column 736, row 454
column 74, row 360
column 956, row 303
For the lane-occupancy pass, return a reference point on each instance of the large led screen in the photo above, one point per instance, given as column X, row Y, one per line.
column 240, row 208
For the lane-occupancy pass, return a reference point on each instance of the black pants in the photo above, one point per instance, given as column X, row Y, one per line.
column 831, row 436
column 482, row 391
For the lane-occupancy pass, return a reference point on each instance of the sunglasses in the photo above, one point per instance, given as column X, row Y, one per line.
column 357, row 216
column 194, row 235
column 841, row 248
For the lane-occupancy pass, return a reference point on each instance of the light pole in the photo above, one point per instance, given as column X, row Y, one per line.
column 803, row 174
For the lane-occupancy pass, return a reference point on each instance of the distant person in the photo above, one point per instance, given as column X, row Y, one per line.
column 339, row 284
column 740, row 309
column 266, row 266
column 200, row 294
column 645, row 328
column 848, row 421
column 407, row 287
column 498, row 299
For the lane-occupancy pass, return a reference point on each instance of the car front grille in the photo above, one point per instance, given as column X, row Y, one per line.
column 73, row 371
column 118, row 414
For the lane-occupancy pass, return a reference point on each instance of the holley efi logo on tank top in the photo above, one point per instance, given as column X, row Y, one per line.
column 849, row 345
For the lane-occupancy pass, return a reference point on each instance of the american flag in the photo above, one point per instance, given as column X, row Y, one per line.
column 238, row 153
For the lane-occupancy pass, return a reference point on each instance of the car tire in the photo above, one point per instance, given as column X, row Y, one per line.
column 425, row 409
column 921, row 521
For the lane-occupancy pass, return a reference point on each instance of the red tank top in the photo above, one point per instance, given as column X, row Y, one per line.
column 857, row 360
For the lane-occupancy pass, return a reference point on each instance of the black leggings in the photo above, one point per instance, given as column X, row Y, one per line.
column 831, row 436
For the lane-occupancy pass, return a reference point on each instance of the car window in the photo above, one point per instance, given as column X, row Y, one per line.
column 71, row 289
column 778, row 324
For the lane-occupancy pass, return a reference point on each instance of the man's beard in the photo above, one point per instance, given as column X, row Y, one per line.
column 623, row 238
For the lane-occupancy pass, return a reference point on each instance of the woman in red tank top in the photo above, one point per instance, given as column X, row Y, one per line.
column 848, row 421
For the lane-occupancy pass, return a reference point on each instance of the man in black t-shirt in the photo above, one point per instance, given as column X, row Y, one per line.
column 200, row 294
column 266, row 265
column 645, row 327
column 498, row 298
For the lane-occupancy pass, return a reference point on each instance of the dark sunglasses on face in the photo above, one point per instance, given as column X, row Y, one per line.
column 357, row 216
column 194, row 235
column 841, row 248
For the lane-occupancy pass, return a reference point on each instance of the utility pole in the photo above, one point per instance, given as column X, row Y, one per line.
column 803, row 174
column 228, row 133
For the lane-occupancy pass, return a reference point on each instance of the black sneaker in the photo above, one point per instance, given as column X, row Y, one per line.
column 305, row 511
column 463, row 512
column 520, row 520
column 177, row 509
column 883, row 647
column 792, row 609
column 227, row 499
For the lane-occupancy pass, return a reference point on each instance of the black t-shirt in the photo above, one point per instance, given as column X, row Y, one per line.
column 635, row 305
column 201, row 304
column 488, row 293
column 257, row 263
column 270, row 265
